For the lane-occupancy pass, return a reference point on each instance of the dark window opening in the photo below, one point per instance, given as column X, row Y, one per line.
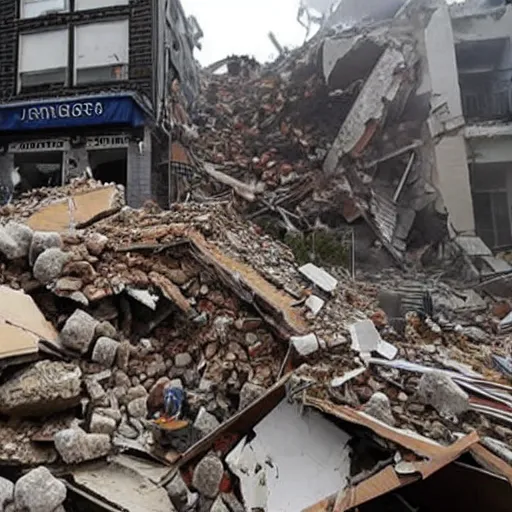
column 109, row 165
column 38, row 170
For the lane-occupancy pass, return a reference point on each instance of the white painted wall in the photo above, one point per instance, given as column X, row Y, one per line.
column 101, row 44
column 453, row 180
column 83, row 5
column 44, row 50
column 442, row 67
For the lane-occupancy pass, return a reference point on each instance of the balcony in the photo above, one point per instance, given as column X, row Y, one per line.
column 491, row 104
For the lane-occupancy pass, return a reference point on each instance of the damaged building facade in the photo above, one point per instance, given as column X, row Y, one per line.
column 86, row 84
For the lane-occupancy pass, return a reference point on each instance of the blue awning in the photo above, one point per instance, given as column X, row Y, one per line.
column 71, row 113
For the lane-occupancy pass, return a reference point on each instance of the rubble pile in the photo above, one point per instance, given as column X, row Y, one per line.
column 150, row 330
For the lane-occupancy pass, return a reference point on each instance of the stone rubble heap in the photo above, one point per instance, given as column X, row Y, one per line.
column 139, row 309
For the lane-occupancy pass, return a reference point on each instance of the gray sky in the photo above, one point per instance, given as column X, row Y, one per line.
column 241, row 27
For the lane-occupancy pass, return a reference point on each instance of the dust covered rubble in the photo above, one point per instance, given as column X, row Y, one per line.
column 198, row 329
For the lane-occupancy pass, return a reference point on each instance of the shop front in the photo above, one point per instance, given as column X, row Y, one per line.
column 50, row 142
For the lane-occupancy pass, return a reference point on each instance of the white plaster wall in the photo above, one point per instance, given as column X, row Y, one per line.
column 442, row 66
column 453, row 180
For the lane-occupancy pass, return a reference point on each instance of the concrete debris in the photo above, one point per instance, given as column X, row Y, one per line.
column 76, row 446
column 312, row 201
column 39, row 491
column 319, row 277
column 44, row 388
column 379, row 407
column 180, row 495
column 6, row 493
column 105, row 351
column 208, row 476
column 442, row 393
column 79, row 331
column 49, row 265
column 41, row 241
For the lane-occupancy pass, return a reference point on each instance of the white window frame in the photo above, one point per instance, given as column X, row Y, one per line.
column 125, row 65
column 20, row 70
column 23, row 4
column 81, row 5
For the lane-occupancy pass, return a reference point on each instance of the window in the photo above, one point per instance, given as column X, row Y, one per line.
column 491, row 203
column 101, row 52
column 35, row 8
column 43, row 58
column 85, row 5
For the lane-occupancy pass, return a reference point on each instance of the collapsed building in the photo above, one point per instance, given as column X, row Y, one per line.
column 187, row 359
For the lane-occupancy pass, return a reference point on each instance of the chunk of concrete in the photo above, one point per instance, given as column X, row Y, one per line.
column 319, row 277
column 8, row 246
column 249, row 393
column 43, row 388
column 208, row 476
column 78, row 332
column 205, row 422
column 379, row 407
column 41, row 241
column 39, row 491
column 138, row 408
column 105, row 351
column 443, row 394
column 305, row 345
column 6, row 492
column 180, row 494
column 218, row 506
column 49, row 265
column 96, row 243
column 22, row 236
column 95, row 390
column 75, row 446
column 102, row 424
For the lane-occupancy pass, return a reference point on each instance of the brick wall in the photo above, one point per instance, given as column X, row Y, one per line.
column 140, row 65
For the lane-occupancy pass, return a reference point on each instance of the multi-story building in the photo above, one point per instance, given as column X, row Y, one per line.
column 482, row 37
column 87, row 83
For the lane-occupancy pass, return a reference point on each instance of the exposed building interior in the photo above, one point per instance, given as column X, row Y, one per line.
column 109, row 165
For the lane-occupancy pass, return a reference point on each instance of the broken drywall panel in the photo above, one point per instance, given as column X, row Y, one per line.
column 292, row 452
column 314, row 304
column 319, row 277
column 380, row 89
column 305, row 345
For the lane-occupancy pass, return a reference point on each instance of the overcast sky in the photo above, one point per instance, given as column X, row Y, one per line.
column 242, row 26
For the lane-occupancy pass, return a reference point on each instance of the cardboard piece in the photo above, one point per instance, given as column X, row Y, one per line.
column 76, row 211
column 22, row 325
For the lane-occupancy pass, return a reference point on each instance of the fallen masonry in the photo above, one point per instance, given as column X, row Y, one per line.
column 218, row 356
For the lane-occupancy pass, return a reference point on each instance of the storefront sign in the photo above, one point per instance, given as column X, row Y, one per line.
column 105, row 110
column 38, row 146
column 108, row 142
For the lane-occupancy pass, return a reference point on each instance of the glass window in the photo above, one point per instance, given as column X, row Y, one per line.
column 101, row 52
column 43, row 58
column 35, row 8
column 84, row 5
